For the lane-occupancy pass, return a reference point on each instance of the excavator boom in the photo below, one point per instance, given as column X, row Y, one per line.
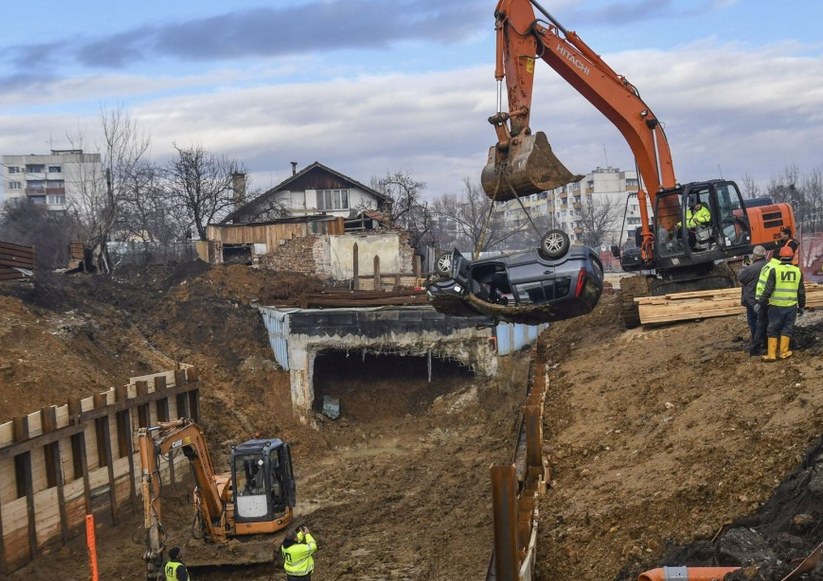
column 522, row 39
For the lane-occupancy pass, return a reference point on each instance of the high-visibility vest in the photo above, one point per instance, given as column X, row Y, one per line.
column 297, row 558
column 700, row 218
column 171, row 570
column 786, row 282
column 764, row 277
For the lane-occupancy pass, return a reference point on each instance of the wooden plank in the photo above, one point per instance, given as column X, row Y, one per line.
column 53, row 450
column 86, row 416
column 706, row 304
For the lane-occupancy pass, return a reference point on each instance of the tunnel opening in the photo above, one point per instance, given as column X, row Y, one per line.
column 372, row 386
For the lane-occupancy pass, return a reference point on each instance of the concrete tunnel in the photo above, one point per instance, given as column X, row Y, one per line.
column 299, row 336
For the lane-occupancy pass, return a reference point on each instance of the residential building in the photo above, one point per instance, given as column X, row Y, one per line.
column 50, row 179
column 570, row 207
column 313, row 191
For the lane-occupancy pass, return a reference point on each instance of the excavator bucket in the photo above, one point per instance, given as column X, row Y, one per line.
column 528, row 166
column 234, row 553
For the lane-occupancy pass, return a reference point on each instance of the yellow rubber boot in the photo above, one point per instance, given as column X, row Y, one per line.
column 784, row 347
column 771, row 354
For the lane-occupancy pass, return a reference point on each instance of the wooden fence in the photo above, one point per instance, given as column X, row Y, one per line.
column 16, row 261
column 62, row 463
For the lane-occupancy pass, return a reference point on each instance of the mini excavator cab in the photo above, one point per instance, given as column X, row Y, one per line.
column 263, row 481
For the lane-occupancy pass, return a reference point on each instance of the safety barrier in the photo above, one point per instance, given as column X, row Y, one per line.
column 63, row 463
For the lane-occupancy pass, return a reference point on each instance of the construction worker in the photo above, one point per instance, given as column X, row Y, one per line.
column 748, row 277
column 759, row 342
column 786, row 239
column 175, row 568
column 297, row 549
column 698, row 219
column 786, row 297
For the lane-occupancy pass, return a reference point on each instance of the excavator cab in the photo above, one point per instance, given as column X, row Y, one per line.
column 263, row 480
column 699, row 223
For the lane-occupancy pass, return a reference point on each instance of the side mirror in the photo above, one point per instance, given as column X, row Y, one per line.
column 615, row 251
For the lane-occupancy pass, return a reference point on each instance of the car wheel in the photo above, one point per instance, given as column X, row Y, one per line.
column 555, row 244
column 443, row 265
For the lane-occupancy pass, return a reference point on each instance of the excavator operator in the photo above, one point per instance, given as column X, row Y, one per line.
column 698, row 221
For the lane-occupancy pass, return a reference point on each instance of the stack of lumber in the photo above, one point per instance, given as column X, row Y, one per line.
column 16, row 261
column 705, row 304
column 360, row 298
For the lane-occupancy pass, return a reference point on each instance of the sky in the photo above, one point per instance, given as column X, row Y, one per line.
column 370, row 87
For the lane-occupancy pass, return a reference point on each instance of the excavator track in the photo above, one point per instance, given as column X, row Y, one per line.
column 632, row 287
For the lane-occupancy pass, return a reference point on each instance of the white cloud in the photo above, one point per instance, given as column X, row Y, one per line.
column 747, row 110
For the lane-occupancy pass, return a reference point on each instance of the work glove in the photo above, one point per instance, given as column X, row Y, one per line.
column 756, row 307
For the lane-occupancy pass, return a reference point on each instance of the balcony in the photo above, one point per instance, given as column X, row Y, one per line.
column 578, row 230
column 577, row 205
column 45, row 191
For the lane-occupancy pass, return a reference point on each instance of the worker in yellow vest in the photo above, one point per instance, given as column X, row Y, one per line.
column 297, row 550
column 175, row 569
column 786, row 298
column 759, row 343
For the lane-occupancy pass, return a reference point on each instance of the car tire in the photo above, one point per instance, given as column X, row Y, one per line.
column 555, row 244
column 443, row 264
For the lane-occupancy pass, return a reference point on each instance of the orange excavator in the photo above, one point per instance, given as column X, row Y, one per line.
column 679, row 246
column 253, row 501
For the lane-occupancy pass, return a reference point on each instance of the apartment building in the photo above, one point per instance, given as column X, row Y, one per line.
column 50, row 179
column 567, row 207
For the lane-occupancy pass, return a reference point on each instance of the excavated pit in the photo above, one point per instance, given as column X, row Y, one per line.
column 369, row 386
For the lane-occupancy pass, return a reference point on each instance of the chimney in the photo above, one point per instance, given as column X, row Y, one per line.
column 238, row 184
column 293, row 168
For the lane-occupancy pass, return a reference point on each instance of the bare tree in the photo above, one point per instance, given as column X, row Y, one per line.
column 100, row 196
column 470, row 219
column 202, row 183
column 149, row 213
column 597, row 218
column 406, row 207
column 24, row 222
column 750, row 187
column 256, row 208
column 813, row 190
column 787, row 188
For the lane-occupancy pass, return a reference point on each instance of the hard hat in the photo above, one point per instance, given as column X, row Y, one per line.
column 786, row 253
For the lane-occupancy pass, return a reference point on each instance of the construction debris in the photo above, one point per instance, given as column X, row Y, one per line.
column 354, row 298
column 705, row 304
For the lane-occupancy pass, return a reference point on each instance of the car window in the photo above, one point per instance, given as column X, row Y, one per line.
column 542, row 291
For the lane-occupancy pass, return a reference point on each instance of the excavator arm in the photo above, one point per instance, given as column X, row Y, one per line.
column 522, row 38
column 158, row 440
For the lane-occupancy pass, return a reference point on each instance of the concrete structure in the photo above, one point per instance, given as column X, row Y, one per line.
column 314, row 190
column 52, row 179
column 563, row 206
column 298, row 336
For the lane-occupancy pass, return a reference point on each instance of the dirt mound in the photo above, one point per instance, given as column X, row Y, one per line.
column 657, row 438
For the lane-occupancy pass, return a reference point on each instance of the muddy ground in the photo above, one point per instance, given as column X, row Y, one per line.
column 666, row 445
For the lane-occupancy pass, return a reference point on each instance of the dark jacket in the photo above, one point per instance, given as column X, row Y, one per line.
column 748, row 277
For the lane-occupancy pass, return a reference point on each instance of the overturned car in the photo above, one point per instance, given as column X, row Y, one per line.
column 553, row 283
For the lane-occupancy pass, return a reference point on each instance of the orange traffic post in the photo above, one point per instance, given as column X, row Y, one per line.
column 686, row 574
column 91, row 543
